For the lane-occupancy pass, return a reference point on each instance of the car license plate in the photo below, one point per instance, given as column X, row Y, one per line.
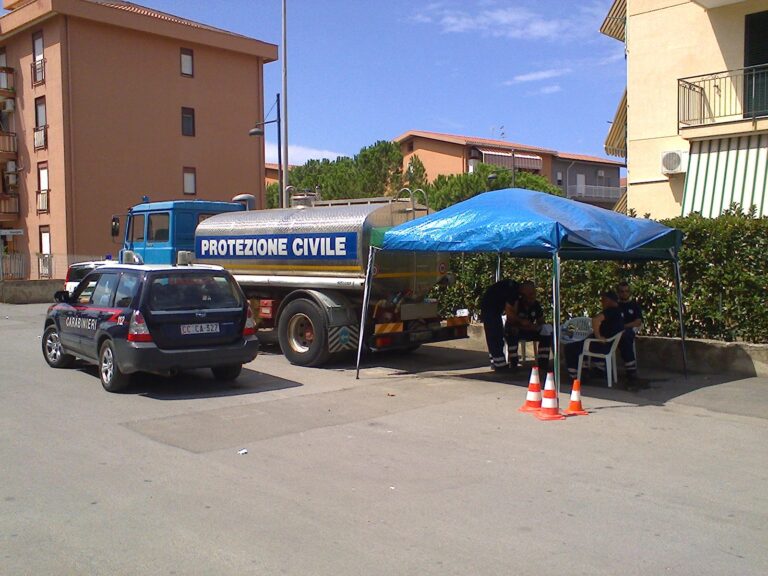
column 209, row 328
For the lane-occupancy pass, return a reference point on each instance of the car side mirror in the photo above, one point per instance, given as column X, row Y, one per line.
column 61, row 296
column 114, row 228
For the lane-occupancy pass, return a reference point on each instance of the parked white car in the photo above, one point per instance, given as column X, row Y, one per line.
column 79, row 270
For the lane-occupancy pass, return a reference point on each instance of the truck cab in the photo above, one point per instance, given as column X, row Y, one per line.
column 156, row 231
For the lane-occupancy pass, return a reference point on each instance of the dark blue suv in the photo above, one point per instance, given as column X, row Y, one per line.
column 152, row 318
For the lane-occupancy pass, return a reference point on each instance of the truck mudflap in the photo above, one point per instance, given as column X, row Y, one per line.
column 394, row 335
column 342, row 338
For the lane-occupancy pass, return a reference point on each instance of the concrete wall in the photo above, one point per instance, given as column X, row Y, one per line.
column 29, row 291
column 665, row 354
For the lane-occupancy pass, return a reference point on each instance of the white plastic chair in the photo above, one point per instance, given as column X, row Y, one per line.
column 611, row 369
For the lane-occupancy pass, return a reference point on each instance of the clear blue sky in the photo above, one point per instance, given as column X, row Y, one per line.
column 366, row 70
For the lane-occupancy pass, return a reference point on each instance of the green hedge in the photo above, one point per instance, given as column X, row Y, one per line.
column 724, row 267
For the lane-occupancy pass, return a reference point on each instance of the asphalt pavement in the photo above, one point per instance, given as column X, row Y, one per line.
column 422, row 466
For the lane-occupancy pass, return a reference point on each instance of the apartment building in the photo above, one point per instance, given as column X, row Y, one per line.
column 581, row 177
column 693, row 123
column 103, row 102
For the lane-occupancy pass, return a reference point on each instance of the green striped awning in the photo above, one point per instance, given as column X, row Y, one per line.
column 727, row 170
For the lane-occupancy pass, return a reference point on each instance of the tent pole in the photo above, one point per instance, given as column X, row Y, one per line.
column 364, row 311
column 498, row 268
column 678, row 281
column 556, row 318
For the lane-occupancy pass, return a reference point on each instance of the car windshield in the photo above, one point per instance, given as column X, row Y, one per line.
column 193, row 291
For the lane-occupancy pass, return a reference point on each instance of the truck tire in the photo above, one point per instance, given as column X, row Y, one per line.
column 303, row 333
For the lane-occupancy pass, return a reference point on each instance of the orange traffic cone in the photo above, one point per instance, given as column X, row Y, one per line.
column 533, row 397
column 575, row 408
column 550, row 409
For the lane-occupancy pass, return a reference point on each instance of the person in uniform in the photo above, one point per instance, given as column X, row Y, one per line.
column 498, row 298
column 527, row 323
column 605, row 325
column 633, row 319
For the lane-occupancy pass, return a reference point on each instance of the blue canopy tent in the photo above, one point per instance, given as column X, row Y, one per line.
column 530, row 224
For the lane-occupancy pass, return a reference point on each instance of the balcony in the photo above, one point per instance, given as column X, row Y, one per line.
column 41, row 138
column 8, row 146
column 38, row 72
column 9, row 207
column 730, row 102
column 603, row 194
column 7, row 82
column 42, row 201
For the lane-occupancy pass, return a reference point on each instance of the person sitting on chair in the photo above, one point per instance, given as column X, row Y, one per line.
column 526, row 322
column 604, row 326
column 633, row 319
column 498, row 298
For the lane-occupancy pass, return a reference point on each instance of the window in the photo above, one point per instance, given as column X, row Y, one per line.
column 187, row 62
column 44, row 258
column 136, row 233
column 601, row 177
column 559, row 178
column 188, row 121
column 41, row 133
column 42, row 187
column 102, row 293
column 86, row 291
column 38, row 59
column 5, row 80
column 157, row 228
column 126, row 290
column 756, row 54
column 190, row 181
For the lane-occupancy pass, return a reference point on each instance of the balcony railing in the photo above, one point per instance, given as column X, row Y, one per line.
column 594, row 193
column 8, row 143
column 42, row 201
column 7, row 81
column 723, row 97
column 9, row 205
column 38, row 72
column 41, row 137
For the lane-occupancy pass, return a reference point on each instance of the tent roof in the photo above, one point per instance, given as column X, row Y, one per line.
column 527, row 223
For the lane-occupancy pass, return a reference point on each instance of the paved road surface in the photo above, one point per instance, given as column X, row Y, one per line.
column 423, row 466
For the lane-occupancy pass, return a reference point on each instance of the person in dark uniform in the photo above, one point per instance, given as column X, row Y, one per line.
column 498, row 298
column 633, row 319
column 527, row 323
column 605, row 325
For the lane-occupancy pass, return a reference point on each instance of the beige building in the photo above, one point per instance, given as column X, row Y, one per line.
column 693, row 123
column 104, row 102
column 581, row 177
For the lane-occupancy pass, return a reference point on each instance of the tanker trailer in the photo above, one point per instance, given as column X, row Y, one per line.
column 303, row 269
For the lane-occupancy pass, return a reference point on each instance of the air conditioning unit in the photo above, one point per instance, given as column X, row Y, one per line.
column 9, row 105
column 674, row 162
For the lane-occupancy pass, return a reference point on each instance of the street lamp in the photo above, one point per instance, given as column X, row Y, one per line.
column 258, row 130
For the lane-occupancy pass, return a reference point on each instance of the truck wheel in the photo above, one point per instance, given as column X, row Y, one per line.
column 53, row 352
column 303, row 333
column 227, row 373
column 112, row 378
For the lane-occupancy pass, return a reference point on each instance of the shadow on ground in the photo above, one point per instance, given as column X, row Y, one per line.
column 198, row 384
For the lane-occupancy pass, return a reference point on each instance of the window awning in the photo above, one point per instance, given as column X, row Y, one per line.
column 523, row 160
column 615, row 23
column 727, row 170
column 616, row 141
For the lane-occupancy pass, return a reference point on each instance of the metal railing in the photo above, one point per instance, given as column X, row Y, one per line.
column 8, row 143
column 9, row 204
column 41, row 137
column 728, row 96
column 38, row 72
column 42, row 201
column 14, row 267
column 588, row 192
column 7, row 79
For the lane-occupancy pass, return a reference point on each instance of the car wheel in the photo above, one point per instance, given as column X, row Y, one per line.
column 53, row 351
column 227, row 373
column 303, row 333
column 112, row 378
